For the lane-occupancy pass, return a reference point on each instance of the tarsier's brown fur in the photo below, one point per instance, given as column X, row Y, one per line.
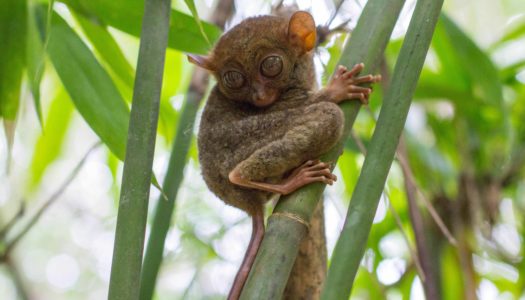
column 265, row 136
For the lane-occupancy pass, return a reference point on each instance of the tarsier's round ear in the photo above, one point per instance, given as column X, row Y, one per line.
column 201, row 61
column 301, row 30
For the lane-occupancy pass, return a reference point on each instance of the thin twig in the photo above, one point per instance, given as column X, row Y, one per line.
column 49, row 202
column 13, row 220
column 192, row 282
column 431, row 209
column 358, row 142
column 336, row 12
column 21, row 288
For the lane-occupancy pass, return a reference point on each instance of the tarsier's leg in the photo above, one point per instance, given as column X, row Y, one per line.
column 315, row 132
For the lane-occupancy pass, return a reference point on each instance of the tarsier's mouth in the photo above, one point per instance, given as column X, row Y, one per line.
column 263, row 102
column 265, row 98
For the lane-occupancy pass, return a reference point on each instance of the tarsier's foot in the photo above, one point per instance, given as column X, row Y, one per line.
column 344, row 84
column 310, row 171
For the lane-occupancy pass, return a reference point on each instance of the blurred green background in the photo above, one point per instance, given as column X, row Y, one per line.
column 66, row 84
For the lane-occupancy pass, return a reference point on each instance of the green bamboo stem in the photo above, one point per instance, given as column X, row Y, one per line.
column 133, row 206
column 351, row 245
column 164, row 209
column 278, row 250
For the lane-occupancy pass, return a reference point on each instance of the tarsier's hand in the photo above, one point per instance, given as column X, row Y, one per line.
column 344, row 84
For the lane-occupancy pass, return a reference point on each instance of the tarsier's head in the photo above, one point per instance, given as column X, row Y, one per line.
column 257, row 60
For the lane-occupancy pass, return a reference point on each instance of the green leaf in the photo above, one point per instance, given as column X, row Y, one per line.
column 89, row 86
column 193, row 9
column 449, row 66
column 13, row 29
column 475, row 62
column 35, row 55
column 516, row 31
column 107, row 49
column 125, row 15
column 508, row 73
column 49, row 144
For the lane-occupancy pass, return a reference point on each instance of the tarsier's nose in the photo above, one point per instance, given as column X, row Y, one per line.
column 263, row 96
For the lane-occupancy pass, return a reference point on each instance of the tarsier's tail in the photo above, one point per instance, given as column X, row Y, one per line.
column 249, row 257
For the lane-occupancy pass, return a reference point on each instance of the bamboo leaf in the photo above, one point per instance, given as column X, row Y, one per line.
column 108, row 49
column 137, row 176
column 35, row 60
column 457, row 77
column 91, row 89
column 49, row 144
column 516, row 31
column 193, row 9
column 269, row 275
column 475, row 62
column 508, row 73
column 351, row 245
column 185, row 34
column 13, row 29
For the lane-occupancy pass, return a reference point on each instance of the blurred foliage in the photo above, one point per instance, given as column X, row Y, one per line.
column 72, row 69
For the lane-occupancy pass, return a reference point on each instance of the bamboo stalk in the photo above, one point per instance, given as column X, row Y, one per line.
column 164, row 209
column 174, row 175
column 136, row 179
column 351, row 244
column 273, row 264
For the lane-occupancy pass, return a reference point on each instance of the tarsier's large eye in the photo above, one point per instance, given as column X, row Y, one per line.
column 272, row 66
column 233, row 79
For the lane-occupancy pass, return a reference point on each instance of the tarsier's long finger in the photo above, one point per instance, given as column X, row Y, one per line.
column 362, row 98
column 359, row 89
column 323, row 172
column 321, row 179
column 318, row 166
column 367, row 79
column 306, row 165
column 340, row 71
column 355, row 70
column 309, row 163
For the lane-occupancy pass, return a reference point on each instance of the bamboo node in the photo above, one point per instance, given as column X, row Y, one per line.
column 294, row 217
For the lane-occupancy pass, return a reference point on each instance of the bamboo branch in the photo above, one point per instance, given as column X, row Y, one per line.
column 20, row 284
column 273, row 264
column 352, row 242
column 431, row 285
column 9, row 224
column 133, row 205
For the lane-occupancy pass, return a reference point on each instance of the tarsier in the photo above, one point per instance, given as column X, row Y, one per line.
column 264, row 126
